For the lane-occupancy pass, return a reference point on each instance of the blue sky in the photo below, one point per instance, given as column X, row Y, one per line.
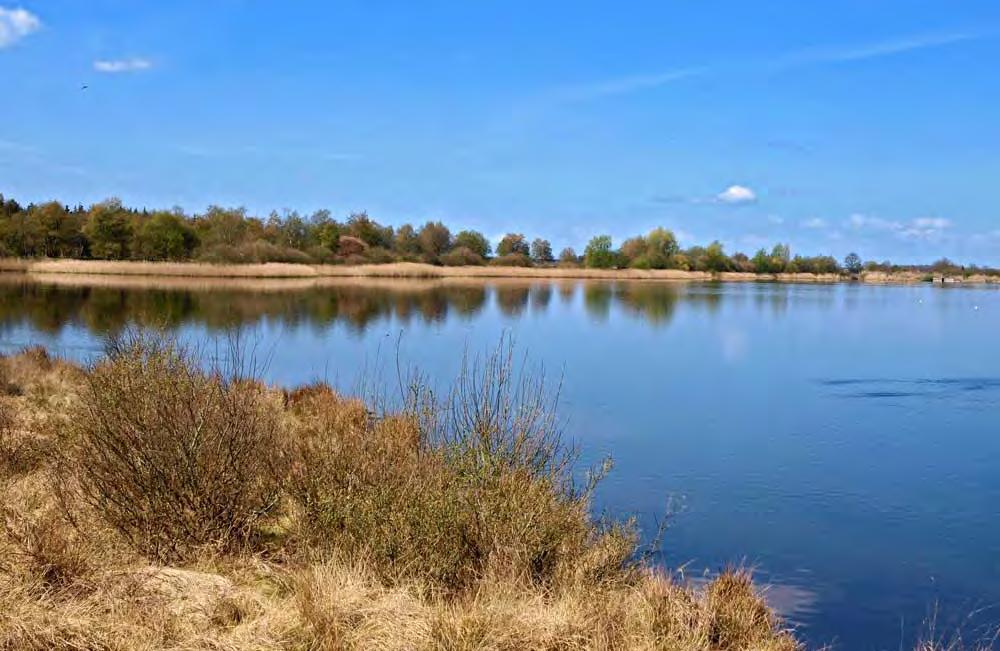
column 835, row 126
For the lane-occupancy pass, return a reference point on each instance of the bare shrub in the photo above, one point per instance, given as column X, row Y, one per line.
column 173, row 457
column 478, row 484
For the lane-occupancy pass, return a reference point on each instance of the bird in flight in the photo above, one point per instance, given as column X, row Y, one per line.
column 84, row 87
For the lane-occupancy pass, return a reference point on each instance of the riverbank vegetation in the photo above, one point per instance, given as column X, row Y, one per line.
column 159, row 499
column 112, row 231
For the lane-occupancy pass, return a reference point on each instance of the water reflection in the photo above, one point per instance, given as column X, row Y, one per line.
column 105, row 304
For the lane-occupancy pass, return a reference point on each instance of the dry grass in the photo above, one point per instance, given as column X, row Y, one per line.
column 388, row 270
column 449, row 525
column 289, row 270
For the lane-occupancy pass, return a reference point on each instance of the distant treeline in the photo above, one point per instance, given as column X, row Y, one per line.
column 111, row 231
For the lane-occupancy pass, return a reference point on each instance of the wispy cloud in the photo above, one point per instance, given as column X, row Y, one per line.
column 621, row 85
column 844, row 54
column 796, row 59
column 815, row 223
column 15, row 24
column 122, row 65
column 921, row 228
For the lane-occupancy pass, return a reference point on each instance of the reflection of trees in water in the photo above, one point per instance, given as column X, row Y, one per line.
column 567, row 291
column 50, row 308
column 597, row 299
column 654, row 302
column 773, row 296
column 512, row 299
column 541, row 296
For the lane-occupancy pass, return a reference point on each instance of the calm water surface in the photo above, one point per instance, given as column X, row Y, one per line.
column 844, row 440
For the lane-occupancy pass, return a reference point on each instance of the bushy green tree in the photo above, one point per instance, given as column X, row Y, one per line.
column 109, row 231
column 361, row 226
column 598, row 254
column 60, row 230
column 473, row 241
column 324, row 231
column 716, row 258
column 165, row 236
column 513, row 243
column 662, row 242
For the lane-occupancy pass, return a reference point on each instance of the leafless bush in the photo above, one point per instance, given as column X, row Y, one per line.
column 480, row 483
column 171, row 456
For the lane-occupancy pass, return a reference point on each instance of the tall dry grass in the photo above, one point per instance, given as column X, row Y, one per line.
column 184, row 507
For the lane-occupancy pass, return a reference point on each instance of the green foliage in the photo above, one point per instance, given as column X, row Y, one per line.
column 513, row 243
column 512, row 260
column 165, row 236
column 361, row 226
column 109, row 231
column 716, row 258
column 598, row 254
column 473, row 241
column 654, row 251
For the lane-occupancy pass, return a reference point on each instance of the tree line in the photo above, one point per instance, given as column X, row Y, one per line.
column 111, row 231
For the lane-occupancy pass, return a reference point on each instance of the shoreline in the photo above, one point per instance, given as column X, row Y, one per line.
column 413, row 270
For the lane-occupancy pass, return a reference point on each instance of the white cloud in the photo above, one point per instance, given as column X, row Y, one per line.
column 776, row 219
column 814, row 223
column 737, row 194
column 919, row 228
column 15, row 24
column 123, row 65
column 931, row 222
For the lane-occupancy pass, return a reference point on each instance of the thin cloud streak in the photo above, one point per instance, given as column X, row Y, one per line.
column 802, row 58
column 623, row 85
column 882, row 49
column 123, row 65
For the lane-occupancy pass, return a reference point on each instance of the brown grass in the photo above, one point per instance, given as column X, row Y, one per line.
column 388, row 270
column 288, row 270
column 451, row 524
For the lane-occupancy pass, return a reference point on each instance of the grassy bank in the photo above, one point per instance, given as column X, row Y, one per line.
column 149, row 504
column 419, row 270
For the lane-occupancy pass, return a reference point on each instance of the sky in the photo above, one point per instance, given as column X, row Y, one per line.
column 834, row 126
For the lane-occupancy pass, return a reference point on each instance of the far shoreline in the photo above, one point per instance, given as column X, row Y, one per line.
column 414, row 270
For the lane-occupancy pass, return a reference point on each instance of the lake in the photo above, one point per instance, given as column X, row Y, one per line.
column 844, row 440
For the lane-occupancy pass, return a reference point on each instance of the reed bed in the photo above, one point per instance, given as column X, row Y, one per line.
column 388, row 270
